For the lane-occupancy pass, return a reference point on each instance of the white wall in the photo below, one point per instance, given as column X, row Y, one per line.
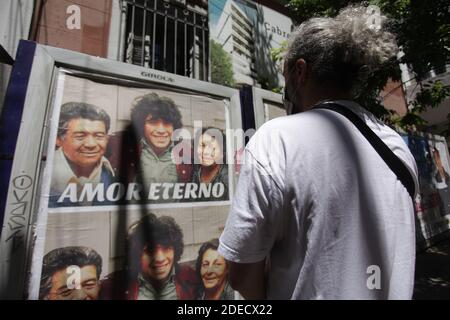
column 117, row 31
column 15, row 21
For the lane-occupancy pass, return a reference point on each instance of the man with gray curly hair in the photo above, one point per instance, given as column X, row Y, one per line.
column 317, row 212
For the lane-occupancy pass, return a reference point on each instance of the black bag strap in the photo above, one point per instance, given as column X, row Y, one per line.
column 393, row 162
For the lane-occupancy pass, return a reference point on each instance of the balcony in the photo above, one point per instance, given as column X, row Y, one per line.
column 243, row 45
column 241, row 50
column 241, row 40
column 246, row 29
column 237, row 12
column 248, row 37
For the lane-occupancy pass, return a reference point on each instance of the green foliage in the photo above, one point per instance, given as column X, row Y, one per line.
column 411, row 119
column 276, row 55
column 221, row 65
column 306, row 9
column 431, row 94
column 422, row 29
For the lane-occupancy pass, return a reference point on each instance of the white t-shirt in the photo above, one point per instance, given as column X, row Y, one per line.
column 317, row 199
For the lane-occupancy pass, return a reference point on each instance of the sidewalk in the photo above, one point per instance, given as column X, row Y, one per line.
column 433, row 272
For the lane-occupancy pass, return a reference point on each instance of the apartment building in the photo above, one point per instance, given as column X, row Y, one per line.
column 248, row 31
column 235, row 32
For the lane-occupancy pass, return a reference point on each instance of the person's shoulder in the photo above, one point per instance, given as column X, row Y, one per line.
column 268, row 130
column 287, row 126
column 119, row 276
column 186, row 273
column 276, row 133
column 115, row 286
column 395, row 142
column 186, row 281
column 280, row 123
column 398, row 146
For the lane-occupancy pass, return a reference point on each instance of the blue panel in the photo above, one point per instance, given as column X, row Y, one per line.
column 247, row 110
column 12, row 114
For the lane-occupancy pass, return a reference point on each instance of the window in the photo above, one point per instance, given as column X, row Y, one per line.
column 167, row 36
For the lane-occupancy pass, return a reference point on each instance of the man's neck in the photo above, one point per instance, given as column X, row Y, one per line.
column 81, row 171
column 157, row 151
column 158, row 285
column 322, row 94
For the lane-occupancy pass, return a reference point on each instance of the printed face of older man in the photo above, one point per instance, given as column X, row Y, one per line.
column 84, row 143
column 63, row 289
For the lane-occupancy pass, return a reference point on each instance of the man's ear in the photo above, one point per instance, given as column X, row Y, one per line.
column 301, row 69
column 59, row 142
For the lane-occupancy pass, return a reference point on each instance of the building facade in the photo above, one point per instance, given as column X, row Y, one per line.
column 173, row 36
column 235, row 32
column 167, row 35
column 15, row 22
column 248, row 31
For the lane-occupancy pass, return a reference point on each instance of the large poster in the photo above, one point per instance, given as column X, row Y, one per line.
column 139, row 188
column 432, row 204
column 441, row 174
column 272, row 110
column 137, row 146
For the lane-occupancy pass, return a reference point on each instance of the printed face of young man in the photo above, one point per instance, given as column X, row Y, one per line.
column 209, row 150
column 84, row 143
column 158, row 133
column 213, row 270
column 88, row 290
column 157, row 264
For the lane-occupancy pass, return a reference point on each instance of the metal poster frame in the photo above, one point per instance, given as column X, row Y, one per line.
column 25, row 216
column 259, row 109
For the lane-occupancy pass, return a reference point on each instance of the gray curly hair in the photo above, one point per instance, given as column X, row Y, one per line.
column 343, row 51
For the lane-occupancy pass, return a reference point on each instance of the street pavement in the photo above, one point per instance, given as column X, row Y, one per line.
column 432, row 280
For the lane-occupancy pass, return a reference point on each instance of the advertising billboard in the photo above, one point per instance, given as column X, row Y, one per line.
column 432, row 204
column 129, row 184
column 267, row 105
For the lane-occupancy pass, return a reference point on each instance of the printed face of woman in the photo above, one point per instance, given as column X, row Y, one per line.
column 209, row 150
column 213, row 270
